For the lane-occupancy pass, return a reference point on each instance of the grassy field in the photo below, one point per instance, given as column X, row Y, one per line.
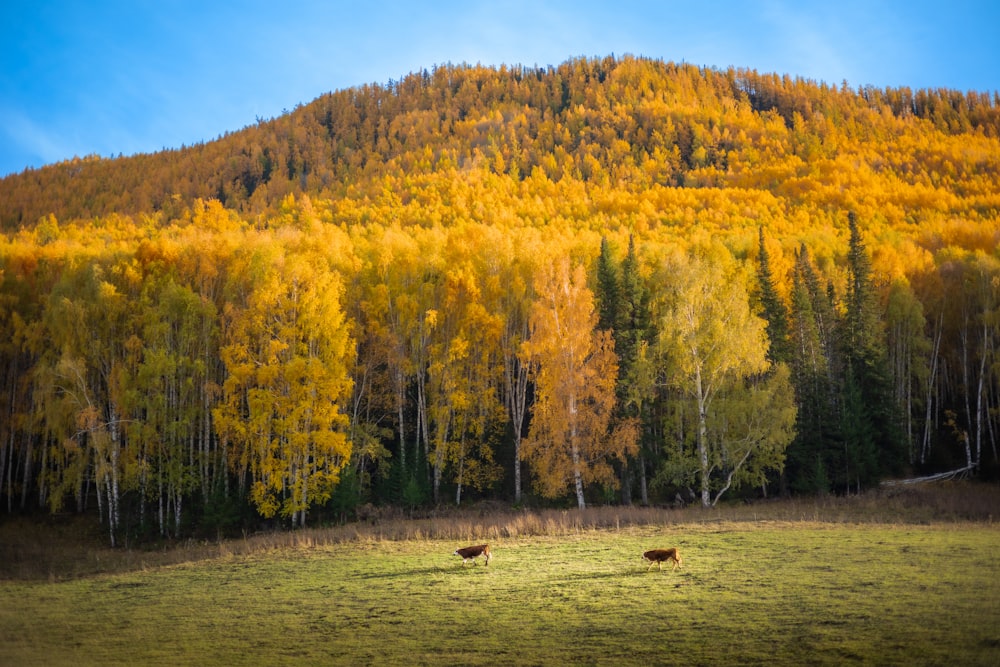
column 780, row 592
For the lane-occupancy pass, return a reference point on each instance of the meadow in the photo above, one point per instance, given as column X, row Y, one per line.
column 786, row 584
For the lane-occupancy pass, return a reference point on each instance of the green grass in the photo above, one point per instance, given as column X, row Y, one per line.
column 750, row 592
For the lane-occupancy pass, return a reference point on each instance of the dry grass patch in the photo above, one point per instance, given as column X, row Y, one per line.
column 57, row 548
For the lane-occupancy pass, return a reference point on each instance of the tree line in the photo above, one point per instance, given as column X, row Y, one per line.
column 190, row 377
column 617, row 280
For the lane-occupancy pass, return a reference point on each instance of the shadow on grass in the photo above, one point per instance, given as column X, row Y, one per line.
column 628, row 573
column 403, row 574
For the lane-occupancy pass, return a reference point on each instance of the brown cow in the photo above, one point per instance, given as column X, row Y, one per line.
column 660, row 556
column 472, row 553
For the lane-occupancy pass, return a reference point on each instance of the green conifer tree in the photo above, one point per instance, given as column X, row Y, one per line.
column 609, row 299
column 866, row 371
column 775, row 313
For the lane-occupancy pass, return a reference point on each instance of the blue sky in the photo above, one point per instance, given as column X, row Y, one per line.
column 81, row 78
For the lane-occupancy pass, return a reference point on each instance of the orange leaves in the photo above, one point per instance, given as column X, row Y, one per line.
column 290, row 358
column 88, row 418
column 422, row 225
column 575, row 372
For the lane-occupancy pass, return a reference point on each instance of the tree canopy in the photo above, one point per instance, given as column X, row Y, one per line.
column 600, row 276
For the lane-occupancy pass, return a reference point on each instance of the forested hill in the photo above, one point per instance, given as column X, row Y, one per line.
column 622, row 123
column 619, row 280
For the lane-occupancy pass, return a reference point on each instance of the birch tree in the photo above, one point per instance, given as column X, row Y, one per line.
column 88, row 315
column 287, row 355
column 711, row 342
column 576, row 369
column 508, row 292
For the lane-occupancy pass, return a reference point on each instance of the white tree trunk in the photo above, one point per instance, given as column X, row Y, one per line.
column 578, row 479
column 575, row 450
column 516, row 376
column 706, row 496
column 925, row 446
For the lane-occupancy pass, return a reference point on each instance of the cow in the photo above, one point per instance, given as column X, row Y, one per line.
column 472, row 553
column 659, row 556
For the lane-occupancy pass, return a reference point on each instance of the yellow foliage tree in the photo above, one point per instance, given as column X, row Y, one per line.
column 713, row 343
column 288, row 355
column 575, row 369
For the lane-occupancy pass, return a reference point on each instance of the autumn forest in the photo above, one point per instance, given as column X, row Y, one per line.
column 617, row 280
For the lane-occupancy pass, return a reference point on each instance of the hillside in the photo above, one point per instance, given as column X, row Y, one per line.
column 617, row 280
column 628, row 123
